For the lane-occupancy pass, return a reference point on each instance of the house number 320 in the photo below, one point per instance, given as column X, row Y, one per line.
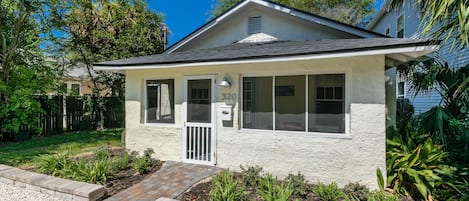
column 229, row 96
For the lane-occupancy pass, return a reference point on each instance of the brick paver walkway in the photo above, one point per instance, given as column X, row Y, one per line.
column 170, row 181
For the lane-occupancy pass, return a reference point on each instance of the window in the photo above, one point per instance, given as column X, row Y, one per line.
column 257, row 103
column 199, row 100
column 254, row 25
column 75, row 89
column 386, row 32
column 308, row 103
column 400, row 26
column 400, row 89
column 159, row 101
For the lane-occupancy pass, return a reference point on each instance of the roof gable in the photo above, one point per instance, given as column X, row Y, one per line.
column 228, row 27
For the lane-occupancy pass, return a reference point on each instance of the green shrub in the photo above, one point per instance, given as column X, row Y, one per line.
column 356, row 191
column 147, row 154
column 120, row 163
column 415, row 166
column 97, row 172
column 270, row 189
column 72, row 170
column 329, row 192
column 102, row 153
column 251, row 175
column 141, row 165
column 381, row 196
column 299, row 183
column 52, row 164
column 226, row 188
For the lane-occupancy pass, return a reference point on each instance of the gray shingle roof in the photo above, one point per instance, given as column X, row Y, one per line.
column 243, row 51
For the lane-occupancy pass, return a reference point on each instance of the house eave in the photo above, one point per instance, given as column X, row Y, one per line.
column 406, row 54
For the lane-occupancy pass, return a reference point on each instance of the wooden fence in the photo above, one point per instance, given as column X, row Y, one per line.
column 77, row 113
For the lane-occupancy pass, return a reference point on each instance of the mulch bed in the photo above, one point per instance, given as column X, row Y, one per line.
column 126, row 178
column 201, row 192
column 120, row 180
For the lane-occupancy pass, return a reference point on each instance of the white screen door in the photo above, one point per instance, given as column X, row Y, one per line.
column 199, row 134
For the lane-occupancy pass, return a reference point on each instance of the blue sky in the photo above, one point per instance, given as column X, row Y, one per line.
column 184, row 16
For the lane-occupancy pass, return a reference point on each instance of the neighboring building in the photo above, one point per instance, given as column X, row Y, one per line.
column 406, row 22
column 264, row 84
column 76, row 82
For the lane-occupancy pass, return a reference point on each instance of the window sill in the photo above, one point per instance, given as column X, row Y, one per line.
column 160, row 125
column 297, row 133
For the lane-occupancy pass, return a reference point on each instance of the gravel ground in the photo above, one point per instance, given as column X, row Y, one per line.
column 13, row 193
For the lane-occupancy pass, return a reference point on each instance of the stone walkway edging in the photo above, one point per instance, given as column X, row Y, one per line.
column 61, row 188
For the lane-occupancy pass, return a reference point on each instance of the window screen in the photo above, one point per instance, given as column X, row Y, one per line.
column 160, row 101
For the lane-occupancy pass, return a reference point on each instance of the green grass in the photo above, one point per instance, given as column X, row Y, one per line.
column 24, row 154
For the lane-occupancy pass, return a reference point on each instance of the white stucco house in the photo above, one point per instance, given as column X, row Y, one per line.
column 264, row 84
column 406, row 21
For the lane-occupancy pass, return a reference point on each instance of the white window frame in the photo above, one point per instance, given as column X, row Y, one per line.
column 347, row 96
column 145, row 123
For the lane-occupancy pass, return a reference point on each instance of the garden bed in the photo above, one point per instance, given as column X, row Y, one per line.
column 72, row 155
column 111, row 167
column 252, row 184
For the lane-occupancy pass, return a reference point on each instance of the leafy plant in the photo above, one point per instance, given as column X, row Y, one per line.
column 122, row 162
column 140, row 165
column 226, row 188
column 381, row 196
column 147, row 154
column 356, row 191
column 329, row 192
column 251, row 175
column 416, row 168
column 52, row 164
column 271, row 190
column 102, row 153
column 299, row 183
column 97, row 172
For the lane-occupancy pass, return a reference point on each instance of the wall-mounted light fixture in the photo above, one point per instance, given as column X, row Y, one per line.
column 224, row 83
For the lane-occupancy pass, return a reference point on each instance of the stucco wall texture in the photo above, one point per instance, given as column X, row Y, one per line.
column 342, row 158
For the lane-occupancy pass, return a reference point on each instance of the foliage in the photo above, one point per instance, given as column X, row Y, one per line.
column 108, row 30
column 355, row 12
column 226, row 187
column 272, row 190
column 381, row 196
column 356, row 191
column 142, row 164
column 448, row 123
column 121, row 162
column 415, row 166
column 97, row 172
column 24, row 154
column 24, row 69
column 147, row 154
column 60, row 165
column 299, row 183
column 251, row 175
column 448, row 19
column 102, row 153
column 329, row 192
column 52, row 164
